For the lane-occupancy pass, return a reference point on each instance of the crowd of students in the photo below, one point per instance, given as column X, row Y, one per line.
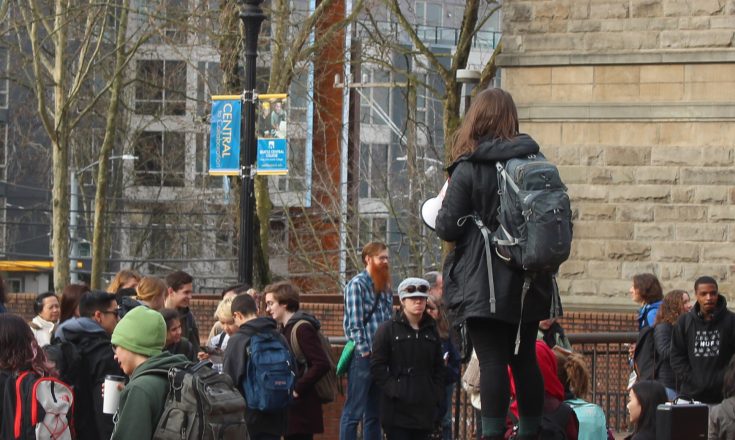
column 142, row 325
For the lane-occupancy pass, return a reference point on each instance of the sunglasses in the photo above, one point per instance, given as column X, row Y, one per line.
column 111, row 312
column 421, row 288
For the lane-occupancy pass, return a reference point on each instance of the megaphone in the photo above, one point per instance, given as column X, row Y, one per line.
column 430, row 207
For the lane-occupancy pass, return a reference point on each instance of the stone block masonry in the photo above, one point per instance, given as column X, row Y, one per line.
column 635, row 103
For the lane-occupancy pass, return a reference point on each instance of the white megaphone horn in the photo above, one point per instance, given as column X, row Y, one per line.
column 430, row 207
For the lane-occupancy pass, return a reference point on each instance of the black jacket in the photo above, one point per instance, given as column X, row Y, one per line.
column 473, row 188
column 407, row 365
column 98, row 360
column 664, row 374
column 189, row 328
column 235, row 364
column 700, row 351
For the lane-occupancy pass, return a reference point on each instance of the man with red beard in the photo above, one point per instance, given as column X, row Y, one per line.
column 368, row 303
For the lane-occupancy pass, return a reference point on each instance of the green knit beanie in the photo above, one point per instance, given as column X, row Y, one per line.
column 142, row 331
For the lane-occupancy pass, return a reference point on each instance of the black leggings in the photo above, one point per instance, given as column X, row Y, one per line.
column 494, row 342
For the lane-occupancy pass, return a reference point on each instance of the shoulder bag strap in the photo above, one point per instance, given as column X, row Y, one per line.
column 295, row 342
column 375, row 307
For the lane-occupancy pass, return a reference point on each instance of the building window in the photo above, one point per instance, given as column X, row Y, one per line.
column 373, row 170
column 161, row 88
column 3, row 144
column 209, row 82
column 429, row 13
column 375, row 101
column 373, row 229
column 203, row 179
column 4, row 67
column 161, row 158
column 176, row 14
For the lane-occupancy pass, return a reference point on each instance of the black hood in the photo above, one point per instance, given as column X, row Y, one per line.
column 299, row 315
column 494, row 149
column 258, row 325
column 716, row 315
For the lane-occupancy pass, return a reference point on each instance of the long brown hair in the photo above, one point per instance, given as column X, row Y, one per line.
column 70, row 297
column 442, row 323
column 18, row 347
column 492, row 114
column 671, row 307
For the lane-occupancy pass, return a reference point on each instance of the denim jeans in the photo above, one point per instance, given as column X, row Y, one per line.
column 447, row 417
column 362, row 402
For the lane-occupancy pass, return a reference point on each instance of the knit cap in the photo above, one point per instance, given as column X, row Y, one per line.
column 413, row 288
column 142, row 331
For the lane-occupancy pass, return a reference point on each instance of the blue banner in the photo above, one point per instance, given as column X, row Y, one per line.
column 224, row 136
column 272, row 157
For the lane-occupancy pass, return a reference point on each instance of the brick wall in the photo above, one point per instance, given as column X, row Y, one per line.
column 611, row 375
column 634, row 102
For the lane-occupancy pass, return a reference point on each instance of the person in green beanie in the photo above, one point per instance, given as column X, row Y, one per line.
column 138, row 342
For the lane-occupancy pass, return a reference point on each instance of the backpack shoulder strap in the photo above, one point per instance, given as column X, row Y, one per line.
column 295, row 342
column 18, row 424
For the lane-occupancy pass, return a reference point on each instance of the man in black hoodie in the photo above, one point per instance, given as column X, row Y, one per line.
column 90, row 335
column 261, row 425
column 702, row 344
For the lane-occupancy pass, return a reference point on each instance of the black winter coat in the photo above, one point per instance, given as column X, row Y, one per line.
column 473, row 188
column 664, row 374
column 98, row 361
column 407, row 365
column 700, row 351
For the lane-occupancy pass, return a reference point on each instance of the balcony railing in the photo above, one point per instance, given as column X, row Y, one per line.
column 438, row 36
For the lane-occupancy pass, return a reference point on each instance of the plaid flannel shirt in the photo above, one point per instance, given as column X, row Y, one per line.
column 359, row 300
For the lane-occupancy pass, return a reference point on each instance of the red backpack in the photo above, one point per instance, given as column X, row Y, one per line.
column 44, row 408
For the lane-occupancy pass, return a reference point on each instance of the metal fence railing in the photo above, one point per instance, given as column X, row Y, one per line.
column 607, row 357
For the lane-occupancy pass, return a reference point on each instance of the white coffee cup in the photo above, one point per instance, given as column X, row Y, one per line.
column 112, row 393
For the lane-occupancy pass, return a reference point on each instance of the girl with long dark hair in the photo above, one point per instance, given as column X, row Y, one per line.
column 644, row 397
column 506, row 334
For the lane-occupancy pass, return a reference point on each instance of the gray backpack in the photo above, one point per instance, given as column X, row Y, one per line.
column 535, row 216
column 535, row 232
column 201, row 404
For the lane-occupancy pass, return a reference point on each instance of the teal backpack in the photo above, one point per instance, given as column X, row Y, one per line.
column 592, row 423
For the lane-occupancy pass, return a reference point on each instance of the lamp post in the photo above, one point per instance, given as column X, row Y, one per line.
column 469, row 79
column 252, row 16
column 74, row 214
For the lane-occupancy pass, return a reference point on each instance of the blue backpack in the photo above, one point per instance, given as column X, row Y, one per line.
column 592, row 423
column 270, row 377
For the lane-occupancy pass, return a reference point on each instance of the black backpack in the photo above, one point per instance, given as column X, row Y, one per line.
column 645, row 363
column 66, row 358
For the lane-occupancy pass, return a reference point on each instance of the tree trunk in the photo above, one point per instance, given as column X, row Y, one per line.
column 100, row 202
column 60, row 155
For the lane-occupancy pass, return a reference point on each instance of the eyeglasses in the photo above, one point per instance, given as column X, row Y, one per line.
column 423, row 288
column 112, row 312
column 114, row 348
column 430, row 308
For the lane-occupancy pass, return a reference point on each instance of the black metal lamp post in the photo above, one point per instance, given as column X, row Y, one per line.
column 252, row 16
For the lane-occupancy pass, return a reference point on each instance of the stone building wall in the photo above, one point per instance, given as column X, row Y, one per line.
column 634, row 101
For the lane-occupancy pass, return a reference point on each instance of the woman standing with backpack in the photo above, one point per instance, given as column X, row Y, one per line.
column 502, row 327
column 305, row 413
column 646, row 292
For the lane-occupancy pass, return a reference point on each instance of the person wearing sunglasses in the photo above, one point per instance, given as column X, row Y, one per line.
column 89, row 335
column 408, row 367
